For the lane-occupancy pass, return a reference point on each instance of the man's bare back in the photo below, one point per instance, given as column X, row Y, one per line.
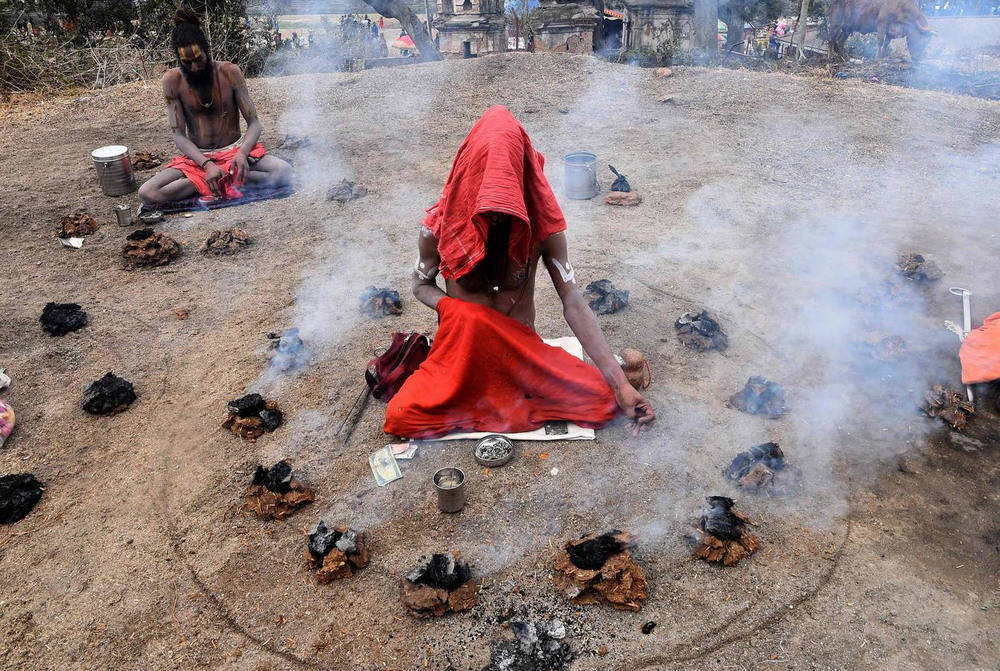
column 511, row 293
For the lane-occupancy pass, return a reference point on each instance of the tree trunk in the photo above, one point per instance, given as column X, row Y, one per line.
column 706, row 25
column 397, row 9
column 730, row 14
column 800, row 29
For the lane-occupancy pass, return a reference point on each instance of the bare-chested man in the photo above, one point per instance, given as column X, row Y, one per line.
column 496, row 222
column 204, row 102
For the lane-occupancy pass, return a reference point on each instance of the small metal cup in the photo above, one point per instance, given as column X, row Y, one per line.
column 450, row 485
column 124, row 214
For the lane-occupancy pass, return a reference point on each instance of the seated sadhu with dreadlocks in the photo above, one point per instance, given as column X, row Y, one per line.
column 496, row 222
column 204, row 101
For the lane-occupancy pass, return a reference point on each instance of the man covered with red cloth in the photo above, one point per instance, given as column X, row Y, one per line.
column 204, row 102
column 496, row 222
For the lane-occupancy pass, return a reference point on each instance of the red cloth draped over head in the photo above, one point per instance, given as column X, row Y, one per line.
column 495, row 170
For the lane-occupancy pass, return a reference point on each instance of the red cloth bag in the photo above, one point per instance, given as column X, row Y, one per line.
column 387, row 372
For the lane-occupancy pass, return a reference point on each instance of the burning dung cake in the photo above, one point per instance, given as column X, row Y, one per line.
column 914, row 266
column 346, row 191
column 287, row 350
column 383, row 302
column 762, row 468
column 884, row 346
column 701, row 331
column 440, row 586
column 251, row 417
column 949, row 405
column 275, row 493
column 146, row 247
column 600, row 568
column 760, row 396
column 335, row 552
column 722, row 534
column 604, row 299
column 225, row 243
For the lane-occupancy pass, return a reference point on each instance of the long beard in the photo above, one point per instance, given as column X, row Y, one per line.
column 202, row 80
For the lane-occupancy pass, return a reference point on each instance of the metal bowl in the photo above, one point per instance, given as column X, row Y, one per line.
column 494, row 450
column 151, row 217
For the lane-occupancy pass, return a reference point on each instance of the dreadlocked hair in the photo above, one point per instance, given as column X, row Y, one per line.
column 187, row 30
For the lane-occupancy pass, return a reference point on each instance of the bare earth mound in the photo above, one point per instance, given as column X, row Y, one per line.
column 769, row 200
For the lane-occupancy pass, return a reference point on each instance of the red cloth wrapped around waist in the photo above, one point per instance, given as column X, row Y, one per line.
column 488, row 372
column 223, row 159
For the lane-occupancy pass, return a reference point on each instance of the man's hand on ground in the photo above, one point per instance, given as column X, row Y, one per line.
column 213, row 174
column 636, row 408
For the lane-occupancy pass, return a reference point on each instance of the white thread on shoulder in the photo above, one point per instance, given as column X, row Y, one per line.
column 568, row 274
column 419, row 267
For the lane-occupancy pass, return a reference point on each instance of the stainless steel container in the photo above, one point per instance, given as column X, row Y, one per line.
column 124, row 215
column 114, row 170
column 581, row 175
column 449, row 483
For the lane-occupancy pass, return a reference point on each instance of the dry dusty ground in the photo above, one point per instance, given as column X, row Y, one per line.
column 768, row 198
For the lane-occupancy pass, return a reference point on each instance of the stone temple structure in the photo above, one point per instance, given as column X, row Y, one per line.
column 580, row 26
column 659, row 24
column 566, row 26
column 468, row 28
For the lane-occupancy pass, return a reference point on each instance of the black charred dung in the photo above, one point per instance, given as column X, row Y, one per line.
column 277, row 479
column 108, row 395
column 271, row 418
column 760, row 396
column 322, row 540
column 768, row 454
column 58, row 319
column 246, row 406
column 701, row 331
column 604, row 299
column 346, row 191
column 19, row 492
column 915, row 267
column 536, row 647
column 443, row 571
column 620, row 184
column 591, row 555
column 719, row 521
column 140, row 234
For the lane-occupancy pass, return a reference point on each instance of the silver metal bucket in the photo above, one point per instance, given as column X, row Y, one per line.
column 114, row 170
column 581, row 175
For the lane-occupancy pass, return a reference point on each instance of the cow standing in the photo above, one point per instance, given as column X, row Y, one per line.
column 889, row 19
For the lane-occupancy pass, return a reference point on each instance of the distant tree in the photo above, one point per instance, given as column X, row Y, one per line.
column 735, row 13
column 706, row 25
column 519, row 17
column 399, row 10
